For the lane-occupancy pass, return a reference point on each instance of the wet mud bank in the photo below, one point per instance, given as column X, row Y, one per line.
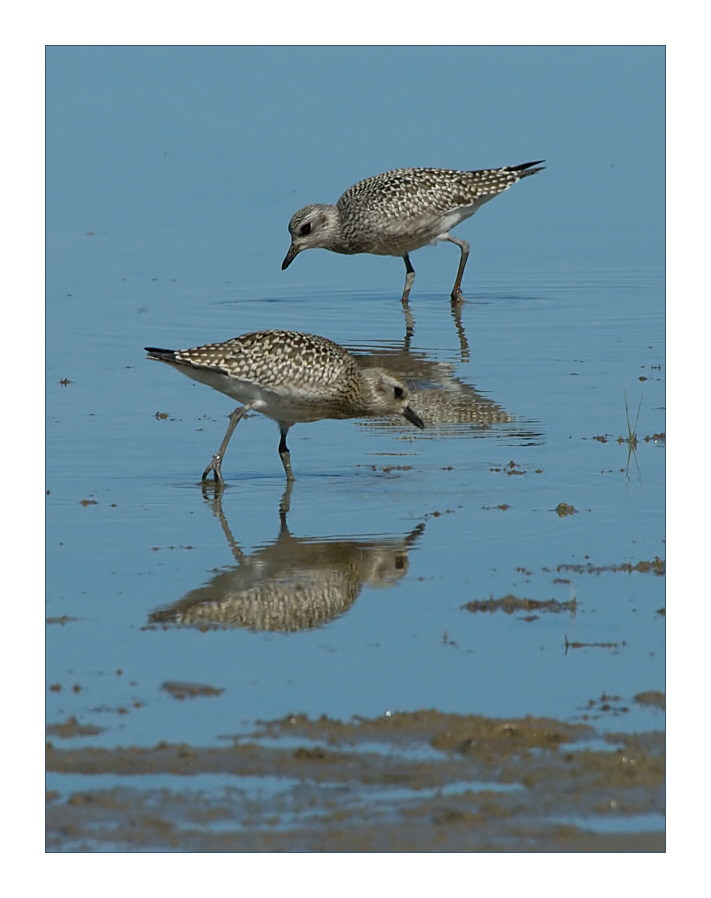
column 422, row 781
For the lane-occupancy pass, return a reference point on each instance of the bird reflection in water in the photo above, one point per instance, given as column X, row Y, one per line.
column 295, row 583
column 446, row 404
column 456, row 309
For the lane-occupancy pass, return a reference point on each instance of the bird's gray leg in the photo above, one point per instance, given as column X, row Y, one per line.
column 464, row 246
column 409, row 320
column 216, row 464
column 409, row 279
column 284, row 451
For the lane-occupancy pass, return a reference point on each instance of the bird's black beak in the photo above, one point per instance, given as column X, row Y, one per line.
column 290, row 256
column 413, row 418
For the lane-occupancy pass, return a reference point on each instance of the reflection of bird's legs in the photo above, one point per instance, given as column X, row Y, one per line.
column 285, row 503
column 216, row 503
column 284, row 454
column 463, row 344
column 220, row 515
column 409, row 327
column 216, row 464
column 464, row 246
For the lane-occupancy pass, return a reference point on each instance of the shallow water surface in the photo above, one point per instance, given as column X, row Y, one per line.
column 373, row 591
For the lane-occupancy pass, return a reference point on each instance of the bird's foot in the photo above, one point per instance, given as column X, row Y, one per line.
column 214, row 466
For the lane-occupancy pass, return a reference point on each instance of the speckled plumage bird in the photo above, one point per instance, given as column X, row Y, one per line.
column 290, row 377
column 400, row 211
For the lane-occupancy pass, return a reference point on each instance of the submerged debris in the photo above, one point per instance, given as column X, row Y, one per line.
column 657, row 566
column 189, row 690
column 510, row 604
column 563, row 510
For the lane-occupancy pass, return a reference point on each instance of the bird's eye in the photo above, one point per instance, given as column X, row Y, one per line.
column 305, row 229
column 399, row 392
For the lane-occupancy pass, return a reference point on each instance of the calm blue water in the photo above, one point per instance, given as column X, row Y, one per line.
column 171, row 176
